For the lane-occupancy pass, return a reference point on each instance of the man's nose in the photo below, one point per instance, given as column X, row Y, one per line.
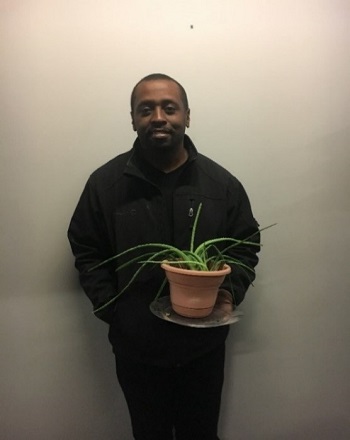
column 158, row 115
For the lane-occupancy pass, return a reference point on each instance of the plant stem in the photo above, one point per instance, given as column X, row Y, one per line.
column 193, row 235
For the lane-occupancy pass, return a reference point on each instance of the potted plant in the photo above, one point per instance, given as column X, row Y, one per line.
column 194, row 275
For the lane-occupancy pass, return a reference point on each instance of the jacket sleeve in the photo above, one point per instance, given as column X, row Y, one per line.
column 241, row 225
column 88, row 237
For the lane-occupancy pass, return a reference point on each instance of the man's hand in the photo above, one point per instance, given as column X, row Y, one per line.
column 224, row 301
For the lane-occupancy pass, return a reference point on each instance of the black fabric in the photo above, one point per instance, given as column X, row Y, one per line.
column 165, row 182
column 123, row 206
column 185, row 398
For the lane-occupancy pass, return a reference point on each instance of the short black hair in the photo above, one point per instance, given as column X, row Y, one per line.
column 156, row 76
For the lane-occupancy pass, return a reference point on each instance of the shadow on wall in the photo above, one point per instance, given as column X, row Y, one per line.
column 324, row 171
column 319, row 173
column 326, row 429
column 95, row 371
column 286, row 365
column 59, row 368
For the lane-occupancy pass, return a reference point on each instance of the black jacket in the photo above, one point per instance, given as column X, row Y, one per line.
column 126, row 203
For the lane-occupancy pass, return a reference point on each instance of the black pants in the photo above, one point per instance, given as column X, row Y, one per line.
column 183, row 399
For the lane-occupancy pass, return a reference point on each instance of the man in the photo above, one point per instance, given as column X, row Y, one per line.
column 171, row 375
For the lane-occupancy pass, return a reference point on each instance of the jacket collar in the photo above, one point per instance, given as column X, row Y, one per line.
column 135, row 164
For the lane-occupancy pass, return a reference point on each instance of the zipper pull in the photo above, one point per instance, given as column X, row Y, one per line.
column 191, row 211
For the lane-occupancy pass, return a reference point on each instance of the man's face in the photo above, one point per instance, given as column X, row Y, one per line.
column 159, row 116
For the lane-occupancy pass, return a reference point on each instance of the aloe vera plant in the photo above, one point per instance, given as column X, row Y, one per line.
column 205, row 257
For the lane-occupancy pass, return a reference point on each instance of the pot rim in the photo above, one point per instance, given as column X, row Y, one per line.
column 204, row 273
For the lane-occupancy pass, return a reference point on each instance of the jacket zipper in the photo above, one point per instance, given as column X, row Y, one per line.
column 190, row 211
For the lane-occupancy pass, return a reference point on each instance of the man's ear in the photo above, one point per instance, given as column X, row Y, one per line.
column 132, row 122
column 188, row 119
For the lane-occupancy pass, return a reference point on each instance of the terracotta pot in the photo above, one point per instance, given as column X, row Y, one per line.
column 193, row 293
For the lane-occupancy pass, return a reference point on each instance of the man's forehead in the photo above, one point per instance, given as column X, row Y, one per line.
column 157, row 89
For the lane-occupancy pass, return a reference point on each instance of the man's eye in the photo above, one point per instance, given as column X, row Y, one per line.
column 169, row 109
column 145, row 111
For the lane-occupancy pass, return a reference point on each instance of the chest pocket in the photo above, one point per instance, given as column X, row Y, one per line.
column 211, row 222
column 137, row 223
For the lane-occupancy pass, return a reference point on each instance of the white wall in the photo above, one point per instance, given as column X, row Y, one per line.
column 268, row 83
